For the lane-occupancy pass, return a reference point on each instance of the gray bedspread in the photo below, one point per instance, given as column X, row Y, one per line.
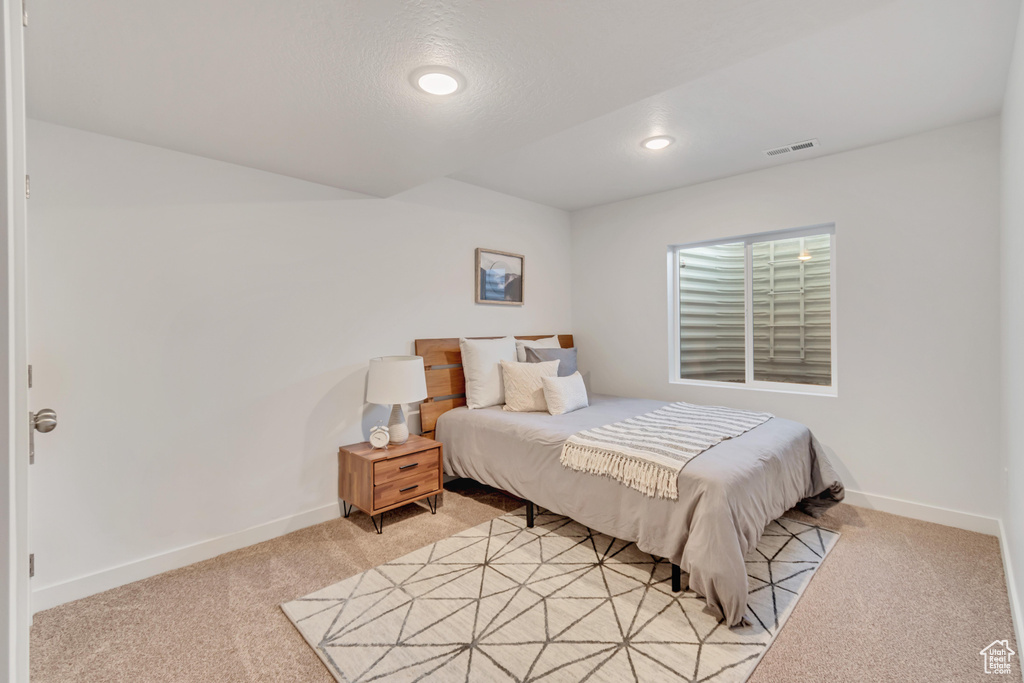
column 727, row 495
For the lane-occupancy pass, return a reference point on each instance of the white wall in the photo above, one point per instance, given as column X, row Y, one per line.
column 917, row 225
column 203, row 331
column 1012, row 250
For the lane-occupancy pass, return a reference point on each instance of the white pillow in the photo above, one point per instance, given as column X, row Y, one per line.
column 524, row 391
column 545, row 343
column 480, row 358
column 565, row 394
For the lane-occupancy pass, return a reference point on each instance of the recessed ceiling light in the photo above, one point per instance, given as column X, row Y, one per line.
column 658, row 142
column 437, row 80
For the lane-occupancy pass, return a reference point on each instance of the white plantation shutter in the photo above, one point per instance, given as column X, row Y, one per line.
column 790, row 316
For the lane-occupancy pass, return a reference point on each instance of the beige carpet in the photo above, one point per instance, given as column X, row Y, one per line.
column 896, row 600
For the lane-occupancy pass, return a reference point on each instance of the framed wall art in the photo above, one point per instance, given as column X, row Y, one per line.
column 499, row 277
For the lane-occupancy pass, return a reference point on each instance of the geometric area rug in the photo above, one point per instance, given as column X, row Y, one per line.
column 558, row 602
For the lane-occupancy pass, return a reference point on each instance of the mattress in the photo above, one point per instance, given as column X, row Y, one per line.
column 727, row 495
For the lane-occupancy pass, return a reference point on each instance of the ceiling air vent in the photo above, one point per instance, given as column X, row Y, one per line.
column 795, row 147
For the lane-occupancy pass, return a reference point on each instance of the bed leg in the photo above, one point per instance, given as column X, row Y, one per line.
column 677, row 579
column 529, row 514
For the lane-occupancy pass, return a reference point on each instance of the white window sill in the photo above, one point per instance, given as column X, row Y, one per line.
column 773, row 387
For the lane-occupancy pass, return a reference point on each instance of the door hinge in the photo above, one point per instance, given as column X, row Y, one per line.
column 24, row 12
column 31, row 565
column 28, row 187
column 29, row 376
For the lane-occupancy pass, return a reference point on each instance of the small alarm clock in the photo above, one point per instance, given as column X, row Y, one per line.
column 380, row 436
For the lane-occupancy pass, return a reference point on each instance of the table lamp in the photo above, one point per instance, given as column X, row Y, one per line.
column 394, row 380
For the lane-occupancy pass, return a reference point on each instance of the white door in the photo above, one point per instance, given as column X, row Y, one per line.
column 14, row 549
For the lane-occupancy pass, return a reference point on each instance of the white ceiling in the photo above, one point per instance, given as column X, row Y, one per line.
column 558, row 96
column 902, row 69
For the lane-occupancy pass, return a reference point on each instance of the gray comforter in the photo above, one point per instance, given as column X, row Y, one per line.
column 727, row 495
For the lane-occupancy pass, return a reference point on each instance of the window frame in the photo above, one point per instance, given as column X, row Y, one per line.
column 748, row 314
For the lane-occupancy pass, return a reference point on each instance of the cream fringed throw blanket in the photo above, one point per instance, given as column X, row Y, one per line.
column 646, row 452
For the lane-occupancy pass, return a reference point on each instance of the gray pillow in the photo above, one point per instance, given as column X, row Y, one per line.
column 567, row 358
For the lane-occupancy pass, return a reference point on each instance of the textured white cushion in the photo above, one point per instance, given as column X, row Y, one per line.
column 480, row 364
column 545, row 343
column 565, row 394
column 524, row 391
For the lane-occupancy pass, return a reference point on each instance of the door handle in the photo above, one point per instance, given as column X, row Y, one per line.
column 44, row 421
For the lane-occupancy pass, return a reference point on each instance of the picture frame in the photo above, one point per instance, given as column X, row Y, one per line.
column 500, row 276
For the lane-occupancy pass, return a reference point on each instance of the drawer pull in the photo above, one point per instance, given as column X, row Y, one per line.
column 405, row 467
column 409, row 488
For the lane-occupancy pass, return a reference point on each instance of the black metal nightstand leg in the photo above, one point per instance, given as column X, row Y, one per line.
column 380, row 529
column 677, row 579
column 432, row 505
column 346, row 508
column 529, row 514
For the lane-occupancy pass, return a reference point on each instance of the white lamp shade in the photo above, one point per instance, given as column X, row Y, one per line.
column 396, row 379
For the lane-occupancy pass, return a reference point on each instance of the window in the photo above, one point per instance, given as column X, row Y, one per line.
column 756, row 311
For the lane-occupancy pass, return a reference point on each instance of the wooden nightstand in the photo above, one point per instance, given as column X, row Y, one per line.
column 378, row 480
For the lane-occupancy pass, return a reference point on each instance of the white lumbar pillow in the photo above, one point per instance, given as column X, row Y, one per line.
column 565, row 394
column 524, row 390
column 480, row 364
column 545, row 343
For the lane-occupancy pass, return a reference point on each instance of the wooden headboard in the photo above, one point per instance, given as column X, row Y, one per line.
column 446, row 384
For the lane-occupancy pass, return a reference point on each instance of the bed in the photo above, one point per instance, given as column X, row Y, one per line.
column 727, row 495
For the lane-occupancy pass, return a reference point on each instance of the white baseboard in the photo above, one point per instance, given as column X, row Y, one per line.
column 1011, row 585
column 926, row 513
column 57, row 594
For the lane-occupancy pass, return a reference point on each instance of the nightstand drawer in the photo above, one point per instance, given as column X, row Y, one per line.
column 385, row 471
column 406, row 488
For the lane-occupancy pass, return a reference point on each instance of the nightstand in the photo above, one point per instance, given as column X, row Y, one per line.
column 382, row 479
